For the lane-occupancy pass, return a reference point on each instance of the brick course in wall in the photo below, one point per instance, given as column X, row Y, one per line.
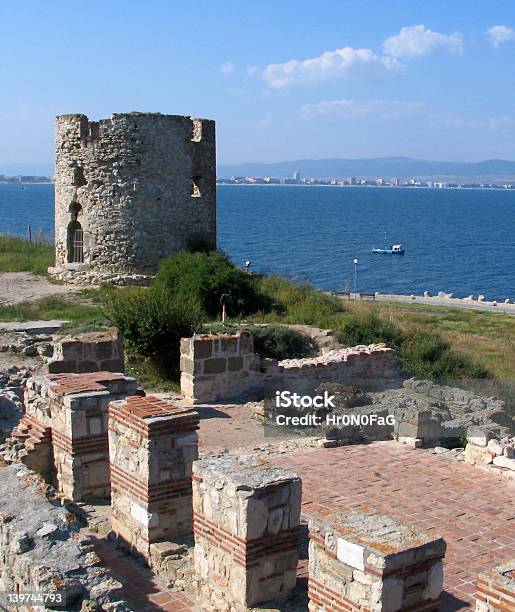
column 496, row 589
column 371, row 562
column 246, row 523
column 64, row 429
column 152, row 444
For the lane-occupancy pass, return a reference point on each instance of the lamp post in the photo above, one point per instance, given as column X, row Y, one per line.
column 355, row 279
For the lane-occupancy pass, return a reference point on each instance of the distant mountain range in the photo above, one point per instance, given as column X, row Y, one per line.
column 27, row 169
column 387, row 167
column 401, row 167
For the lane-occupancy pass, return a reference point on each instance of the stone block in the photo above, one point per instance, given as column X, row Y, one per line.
column 504, row 462
column 246, row 523
column 88, row 366
column 479, row 436
column 112, row 365
column 235, row 363
column 202, row 348
column 366, row 561
column 215, row 365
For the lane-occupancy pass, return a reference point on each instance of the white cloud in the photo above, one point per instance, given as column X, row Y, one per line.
column 417, row 40
column 500, row 34
column 227, row 68
column 383, row 109
column 266, row 122
column 496, row 123
column 338, row 64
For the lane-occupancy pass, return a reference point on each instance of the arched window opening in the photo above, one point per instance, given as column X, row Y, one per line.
column 75, row 243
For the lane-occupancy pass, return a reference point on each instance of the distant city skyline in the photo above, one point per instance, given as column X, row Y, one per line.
column 296, row 80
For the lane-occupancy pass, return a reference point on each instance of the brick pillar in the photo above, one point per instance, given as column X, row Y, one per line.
column 496, row 589
column 373, row 562
column 152, row 445
column 246, row 523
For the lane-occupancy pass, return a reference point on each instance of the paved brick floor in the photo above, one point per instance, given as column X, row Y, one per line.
column 474, row 511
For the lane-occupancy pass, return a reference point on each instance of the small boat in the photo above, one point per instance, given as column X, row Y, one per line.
column 394, row 249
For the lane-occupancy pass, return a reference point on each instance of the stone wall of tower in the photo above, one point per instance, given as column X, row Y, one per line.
column 140, row 186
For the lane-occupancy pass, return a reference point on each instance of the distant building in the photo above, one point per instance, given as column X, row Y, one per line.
column 395, row 182
column 352, row 180
column 296, row 176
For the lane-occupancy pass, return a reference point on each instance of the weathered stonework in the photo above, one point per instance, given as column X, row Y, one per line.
column 91, row 352
column 42, row 551
column 63, row 433
column 246, row 523
column 373, row 562
column 219, row 367
column 496, row 589
column 152, row 445
column 131, row 190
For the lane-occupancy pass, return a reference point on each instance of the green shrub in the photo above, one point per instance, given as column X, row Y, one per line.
column 427, row 355
column 299, row 303
column 153, row 322
column 280, row 342
column 368, row 328
column 203, row 278
column 19, row 255
column 422, row 354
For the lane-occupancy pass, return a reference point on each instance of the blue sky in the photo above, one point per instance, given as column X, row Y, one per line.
column 284, row 80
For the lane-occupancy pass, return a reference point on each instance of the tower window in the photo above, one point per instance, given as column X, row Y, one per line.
column 195, row 186
column 75, row 243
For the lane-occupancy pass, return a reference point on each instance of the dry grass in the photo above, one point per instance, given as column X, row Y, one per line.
column 488, row 337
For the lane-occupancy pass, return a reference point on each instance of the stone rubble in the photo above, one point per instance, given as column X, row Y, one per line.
column 41, row 549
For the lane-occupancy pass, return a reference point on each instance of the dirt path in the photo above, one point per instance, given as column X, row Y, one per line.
column 16, row 287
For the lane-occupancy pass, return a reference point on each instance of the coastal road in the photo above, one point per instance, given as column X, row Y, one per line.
column 446, row 302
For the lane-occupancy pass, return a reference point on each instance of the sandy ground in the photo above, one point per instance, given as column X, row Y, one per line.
column 16, row 287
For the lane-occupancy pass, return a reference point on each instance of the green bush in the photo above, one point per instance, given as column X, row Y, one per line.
column 280, row 342
column 427, row 355
column 153, row 322
column 421, row 353
column 368, row 328
column 203, row 278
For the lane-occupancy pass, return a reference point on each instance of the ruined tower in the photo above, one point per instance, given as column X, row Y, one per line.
column 131, row 190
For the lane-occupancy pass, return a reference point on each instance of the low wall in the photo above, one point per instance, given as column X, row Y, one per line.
column 92, row 352
column 222, row 367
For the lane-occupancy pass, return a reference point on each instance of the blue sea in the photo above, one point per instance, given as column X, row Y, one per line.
column 460, row 241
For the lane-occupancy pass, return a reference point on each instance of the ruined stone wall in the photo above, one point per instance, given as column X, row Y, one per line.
column 64, row 429
column 246, row 522
column 373, row 562
column 152, row 445
column 142, row 186
column 215, row 367
column 90, row 352
column 42, row 551
column 220, row 367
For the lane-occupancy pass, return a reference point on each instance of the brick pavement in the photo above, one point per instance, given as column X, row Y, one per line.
column 474, row 511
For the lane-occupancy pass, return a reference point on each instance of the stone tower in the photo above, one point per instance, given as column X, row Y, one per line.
column 131, row 190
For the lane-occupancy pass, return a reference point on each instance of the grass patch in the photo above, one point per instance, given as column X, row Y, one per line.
column 56, row 307
column 18, row 255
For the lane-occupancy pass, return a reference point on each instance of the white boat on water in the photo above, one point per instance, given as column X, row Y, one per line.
column 394, row 249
